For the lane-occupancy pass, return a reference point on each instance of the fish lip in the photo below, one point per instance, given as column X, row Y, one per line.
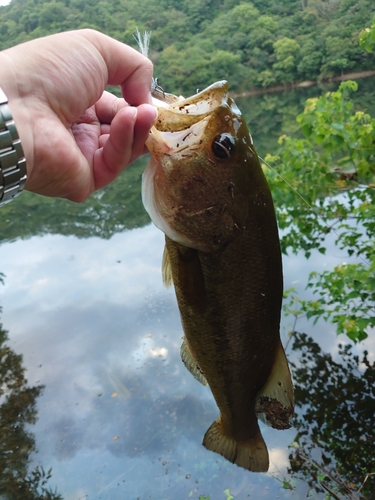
column 182, row 113
column 219, row 88
column 221, row 85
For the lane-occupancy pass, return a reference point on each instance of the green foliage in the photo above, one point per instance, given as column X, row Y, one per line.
column 311, row 56
column 367, row 37
column 251, row 44
column 344, row 296
column 333, row 170
column 228, row 494
column 286, row 51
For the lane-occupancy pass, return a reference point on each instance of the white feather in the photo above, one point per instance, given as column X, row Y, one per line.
column 143, row 41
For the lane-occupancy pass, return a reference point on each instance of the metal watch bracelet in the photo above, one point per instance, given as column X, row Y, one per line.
column 12, row 159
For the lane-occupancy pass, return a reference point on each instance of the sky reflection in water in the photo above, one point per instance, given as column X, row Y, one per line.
column 119, row 409
column 120, row 414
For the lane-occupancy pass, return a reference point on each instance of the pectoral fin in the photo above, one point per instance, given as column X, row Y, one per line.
column 190, row 363
column 275, row 402
column 166, row 269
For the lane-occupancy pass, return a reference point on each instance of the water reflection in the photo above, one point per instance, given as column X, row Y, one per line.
column 336, row 419
column 121, row 414
column 18, row 409
column 120, row 417
column 274, row 114
column 105, row 213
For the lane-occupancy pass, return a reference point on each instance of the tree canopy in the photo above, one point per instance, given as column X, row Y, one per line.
column 251, row 44
column 324, row 185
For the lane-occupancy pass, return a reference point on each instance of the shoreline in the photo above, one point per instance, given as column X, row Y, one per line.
column 305, row 84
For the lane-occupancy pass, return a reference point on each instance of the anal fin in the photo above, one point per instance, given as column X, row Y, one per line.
column 275, row 402
column 166, row 269
column 190, row 363
column 251, row 454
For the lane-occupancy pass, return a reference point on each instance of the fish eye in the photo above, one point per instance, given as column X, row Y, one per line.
column 222, row 146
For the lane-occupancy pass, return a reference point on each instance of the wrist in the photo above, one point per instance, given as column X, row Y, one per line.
column 12, row 159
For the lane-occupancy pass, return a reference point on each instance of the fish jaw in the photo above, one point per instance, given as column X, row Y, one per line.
column 187, row 190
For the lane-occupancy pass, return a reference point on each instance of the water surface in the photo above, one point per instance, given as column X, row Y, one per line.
column 118, row 415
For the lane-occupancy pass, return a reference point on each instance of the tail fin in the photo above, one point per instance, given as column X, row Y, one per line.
column 251, row 454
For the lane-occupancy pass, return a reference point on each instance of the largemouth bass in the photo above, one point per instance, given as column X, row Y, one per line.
column 205, row 189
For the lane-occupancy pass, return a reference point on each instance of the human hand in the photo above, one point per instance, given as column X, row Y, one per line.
column 77, row 138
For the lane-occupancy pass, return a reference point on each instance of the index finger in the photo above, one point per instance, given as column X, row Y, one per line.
column 126, row 67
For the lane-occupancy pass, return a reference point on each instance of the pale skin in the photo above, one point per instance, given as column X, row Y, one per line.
column 76, row 137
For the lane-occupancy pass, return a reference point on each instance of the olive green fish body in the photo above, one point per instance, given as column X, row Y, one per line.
column 206, row 190
column 230, row 304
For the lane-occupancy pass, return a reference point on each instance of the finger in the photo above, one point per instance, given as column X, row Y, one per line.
column 116, row 152
column 108, row 106
column 126, row 67
column 128, row 133
column 103, row 139
column 133, row 144
column 146, row 116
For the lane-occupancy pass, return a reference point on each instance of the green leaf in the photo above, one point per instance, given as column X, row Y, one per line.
column 228, row 494
column 337, row 126
column 287, row 485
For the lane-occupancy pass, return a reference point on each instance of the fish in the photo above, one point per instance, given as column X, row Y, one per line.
column 204, row 187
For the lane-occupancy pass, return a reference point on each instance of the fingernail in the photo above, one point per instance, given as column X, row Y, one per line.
column 155, row 113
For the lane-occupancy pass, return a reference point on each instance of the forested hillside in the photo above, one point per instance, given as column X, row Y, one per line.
column 195, row 42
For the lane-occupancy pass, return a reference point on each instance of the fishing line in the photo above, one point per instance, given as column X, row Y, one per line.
column 144, row 44
column 292, row 188
column 308, row 204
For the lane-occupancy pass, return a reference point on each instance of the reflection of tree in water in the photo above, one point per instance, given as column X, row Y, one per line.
column 17, row 411
column 109, row 211
column 336, row 420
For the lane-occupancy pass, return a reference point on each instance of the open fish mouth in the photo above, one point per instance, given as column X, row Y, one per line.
column 198, row 104
column 181, row 143
column 181, row 122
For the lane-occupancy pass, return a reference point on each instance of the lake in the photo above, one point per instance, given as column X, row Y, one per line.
column 99, row 405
